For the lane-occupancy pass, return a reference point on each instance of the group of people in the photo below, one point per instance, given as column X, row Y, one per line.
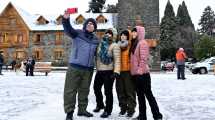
column 124, row 61
column 16, row 64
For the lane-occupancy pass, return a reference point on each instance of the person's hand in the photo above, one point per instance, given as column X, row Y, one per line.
column 66, row 14
column 115, row 75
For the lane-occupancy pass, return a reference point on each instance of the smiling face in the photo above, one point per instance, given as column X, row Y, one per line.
column 134, row 35
column 123, row 37
column 90, row 27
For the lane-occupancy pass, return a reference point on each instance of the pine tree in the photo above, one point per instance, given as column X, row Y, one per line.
column 185, row 35
column 207, row 21
column 112, row 8
column 183, row 16
column 96, row 6
column 168, row 31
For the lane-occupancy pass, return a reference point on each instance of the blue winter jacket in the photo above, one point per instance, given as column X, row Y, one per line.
column 84, row 46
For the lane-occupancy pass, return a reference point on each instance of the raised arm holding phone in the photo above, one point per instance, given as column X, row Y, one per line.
column 81, row 64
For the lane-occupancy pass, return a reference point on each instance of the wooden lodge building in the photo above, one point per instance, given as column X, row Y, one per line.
column 41, row 36
column 23, row 34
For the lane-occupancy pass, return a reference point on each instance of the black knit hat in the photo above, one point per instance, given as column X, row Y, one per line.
column 126, row 33
column 110, row 32
column 90, row 20
column 134, row 30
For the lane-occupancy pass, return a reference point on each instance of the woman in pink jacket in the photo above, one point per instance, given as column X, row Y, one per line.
column 139, row 56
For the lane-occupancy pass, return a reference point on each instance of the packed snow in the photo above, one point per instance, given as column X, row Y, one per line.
column 41, row 97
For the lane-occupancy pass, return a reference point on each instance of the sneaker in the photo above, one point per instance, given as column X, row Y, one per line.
column 85, row 114
column 97, row 109
column 69, row 116
column 105, row 115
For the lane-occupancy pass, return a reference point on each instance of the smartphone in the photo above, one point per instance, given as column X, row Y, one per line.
column 72, row 10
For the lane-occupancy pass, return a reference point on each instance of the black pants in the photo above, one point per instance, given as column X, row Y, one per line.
column 126, row 93
column 180, row 71
column 0, row 69
column 31, row 69
column 143, row 88
column 104, row 78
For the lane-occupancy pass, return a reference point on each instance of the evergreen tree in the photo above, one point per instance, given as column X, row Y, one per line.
column 168, row 31
column 183, row 16
column 112, row 8
column 185, row 35
column 207, row 21
column 204, row 48
column 96, row 6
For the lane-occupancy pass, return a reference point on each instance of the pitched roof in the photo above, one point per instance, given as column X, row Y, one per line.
column 31, row 19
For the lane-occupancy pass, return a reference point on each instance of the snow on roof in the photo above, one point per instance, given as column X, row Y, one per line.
column 31, row 20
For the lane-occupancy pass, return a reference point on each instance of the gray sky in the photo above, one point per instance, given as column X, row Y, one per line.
column 195, row 7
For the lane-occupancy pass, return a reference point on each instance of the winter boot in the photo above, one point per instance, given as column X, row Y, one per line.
column 69, row 116
column 97, row 109
column 85, row 114
column 105, row 115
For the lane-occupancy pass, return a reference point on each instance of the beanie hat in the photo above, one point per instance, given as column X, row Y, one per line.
column 109, row 32
column 181, row 49
column 90, row 20
column 126, row 33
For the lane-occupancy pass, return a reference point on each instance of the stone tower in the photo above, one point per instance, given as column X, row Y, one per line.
column 147, row 11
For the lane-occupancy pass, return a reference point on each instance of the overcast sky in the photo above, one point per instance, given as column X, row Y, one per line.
column 195, row 7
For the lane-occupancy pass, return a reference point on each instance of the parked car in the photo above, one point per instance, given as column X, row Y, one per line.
column 189, row 65
column 204, row 66
column 167, row 66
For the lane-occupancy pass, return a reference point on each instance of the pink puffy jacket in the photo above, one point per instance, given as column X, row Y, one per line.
column 139, row 60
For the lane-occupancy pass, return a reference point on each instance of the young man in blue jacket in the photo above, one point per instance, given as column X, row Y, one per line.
column 81, row 64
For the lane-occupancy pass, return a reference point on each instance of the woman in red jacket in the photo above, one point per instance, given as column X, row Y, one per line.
column 139, row 55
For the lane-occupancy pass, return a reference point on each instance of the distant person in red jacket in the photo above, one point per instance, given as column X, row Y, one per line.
column 180, row 62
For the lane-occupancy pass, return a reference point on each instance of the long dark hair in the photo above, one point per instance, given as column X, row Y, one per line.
column 134, row 43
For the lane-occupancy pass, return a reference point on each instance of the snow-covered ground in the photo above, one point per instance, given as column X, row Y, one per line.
column 41, row 97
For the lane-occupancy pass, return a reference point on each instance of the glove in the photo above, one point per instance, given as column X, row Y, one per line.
column 115, row 76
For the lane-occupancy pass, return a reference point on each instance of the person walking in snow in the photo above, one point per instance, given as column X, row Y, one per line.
column 108, row 68
column 125, row 85
column 30, row 62
column 180, row 62
column 81, row 65
column 1, row 62
column 139, row 57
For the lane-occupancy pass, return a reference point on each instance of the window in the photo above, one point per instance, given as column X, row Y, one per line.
column 12, row 22
column 38, row 38
column 42, row 21
column 19, row 38
column 58, row 54
column 38, row 54
column 101, row 19
column 80, row 19
column 1, row 38
column 59, row 20
column 59, row 38
column 20, row 54
column 4, row 37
